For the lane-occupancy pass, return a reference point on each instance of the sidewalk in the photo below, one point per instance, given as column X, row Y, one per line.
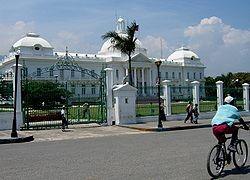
column 173, row 125
column 93, row 130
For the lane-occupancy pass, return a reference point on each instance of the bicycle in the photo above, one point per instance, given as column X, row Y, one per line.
column 219, row 156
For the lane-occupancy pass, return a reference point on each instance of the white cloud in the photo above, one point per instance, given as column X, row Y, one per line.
column 10, row 33
column 154, row 45
column 221, row 47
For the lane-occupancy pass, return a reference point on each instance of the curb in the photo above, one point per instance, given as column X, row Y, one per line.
column 16, row 140
column 173, row 128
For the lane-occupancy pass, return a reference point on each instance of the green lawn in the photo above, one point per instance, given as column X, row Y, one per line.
column 176, row 107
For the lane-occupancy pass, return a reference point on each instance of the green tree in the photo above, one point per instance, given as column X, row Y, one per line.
column 126, row 44
column 44, row 94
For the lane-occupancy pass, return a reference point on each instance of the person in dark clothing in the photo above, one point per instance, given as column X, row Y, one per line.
column 162, row 113
column 196, row 113
column 189, row 110
column 63, row 115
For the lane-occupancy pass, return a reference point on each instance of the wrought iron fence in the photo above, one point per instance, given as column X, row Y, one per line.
column 6, row 92
column 147, row 101
column 236, row 93
column 180, row 96
column 208, row 98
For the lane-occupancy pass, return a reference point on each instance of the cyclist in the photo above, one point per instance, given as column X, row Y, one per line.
column 223, row 122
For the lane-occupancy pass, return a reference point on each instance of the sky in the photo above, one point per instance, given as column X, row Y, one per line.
column 217, row 30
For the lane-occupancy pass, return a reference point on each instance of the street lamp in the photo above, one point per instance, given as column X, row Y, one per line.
column 14, row 132
column 158, row 84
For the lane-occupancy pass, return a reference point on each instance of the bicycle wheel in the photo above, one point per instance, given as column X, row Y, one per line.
column 240, row 156
column 216, row 161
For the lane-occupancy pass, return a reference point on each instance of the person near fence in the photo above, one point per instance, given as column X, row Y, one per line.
column 162, row 113
column 223, row 122
column 189, row 110
column 86, row 110
column 63, row 116
column 196, row 113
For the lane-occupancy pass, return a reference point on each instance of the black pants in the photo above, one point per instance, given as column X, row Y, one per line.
column 64, row 122
column 189, row 115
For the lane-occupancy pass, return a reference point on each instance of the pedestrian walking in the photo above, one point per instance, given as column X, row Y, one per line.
column 196, row 113
column 189, row 110
column 162, row 113
column 63, row 116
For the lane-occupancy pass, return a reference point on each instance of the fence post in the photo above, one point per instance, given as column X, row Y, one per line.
column 219, row 85
column 196, row 91
column 246, row 96
column 167, row 96
column 109, row 85
column 19, row 115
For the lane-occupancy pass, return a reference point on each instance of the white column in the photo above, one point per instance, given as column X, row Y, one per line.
column 109, row 84
column 219, row 85
column 135, row 78
column 143, row 80
column 19, row 114
column 196, row 92
column 126, row 71
column 246, row 96
column 167, row 96
column 150, row 82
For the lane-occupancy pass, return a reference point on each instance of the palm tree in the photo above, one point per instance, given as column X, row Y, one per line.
column 126, row 44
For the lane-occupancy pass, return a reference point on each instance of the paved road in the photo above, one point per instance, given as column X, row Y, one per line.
column 165, row 155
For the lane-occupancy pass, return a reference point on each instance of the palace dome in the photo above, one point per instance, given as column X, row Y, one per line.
column 30, row 40
column 108, row 46
column 183, row 53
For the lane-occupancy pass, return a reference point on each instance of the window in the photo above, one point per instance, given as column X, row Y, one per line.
column 61, row 73
column 38, row 72
column 173, row 75
column 117, row 74
column 51, row 72
column 166, row 75
column 188, row 75
column 179, row 89
column 173, row 89
column 25, row 72
column 126, row 100
column 200, row 75
column 72, row 73
column 37, row 48
column 194, row 75
column 93, row 89
column 179, row 75
column 83, row 89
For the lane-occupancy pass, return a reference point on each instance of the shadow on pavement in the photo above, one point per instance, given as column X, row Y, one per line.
column 244, row 170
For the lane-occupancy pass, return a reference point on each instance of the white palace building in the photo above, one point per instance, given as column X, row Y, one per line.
column 36, row 54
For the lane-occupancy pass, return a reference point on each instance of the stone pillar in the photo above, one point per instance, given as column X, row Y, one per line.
column 196, row 92
column 109, row 84
column 167, row 97
column 246, row 96
column 219, row 85
column 126, row 71
column 19, row 114
column 143, row 82
column 135, row 78
column 124, row 106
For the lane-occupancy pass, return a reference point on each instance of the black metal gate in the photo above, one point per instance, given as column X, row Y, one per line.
column 46, row 91
column 6, row 92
